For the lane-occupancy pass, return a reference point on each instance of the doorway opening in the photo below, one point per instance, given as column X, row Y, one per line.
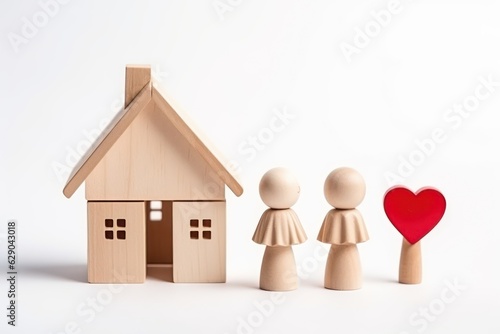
column 159, row 245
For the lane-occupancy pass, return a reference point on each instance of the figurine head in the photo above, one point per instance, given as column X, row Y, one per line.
column 344, row 188
column 279, row 189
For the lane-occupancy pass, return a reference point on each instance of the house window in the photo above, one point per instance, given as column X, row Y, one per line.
column 108, row 222
column 121, row 222
column 195, row 229
column 155, row 214
column 109, row 232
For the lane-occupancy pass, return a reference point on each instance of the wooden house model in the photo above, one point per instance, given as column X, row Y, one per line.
column 155, row 192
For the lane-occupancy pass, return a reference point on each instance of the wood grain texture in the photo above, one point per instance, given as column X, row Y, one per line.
column 199, row 260
column 152, row 160
column 343, row 268
column 116, row 260
column 187, row 128
column 103, row 144
column 278, row 271
column 344, row 188
column 410, row 263
column 279, row 228
column 279, row 188
column 136, row 78
column 343, row 227
column 198, row 177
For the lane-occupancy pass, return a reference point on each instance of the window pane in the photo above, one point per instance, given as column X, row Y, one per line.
column 121, row 235
column 108, row 222
column 207, row 222
column 194, row 223
column 120, row 222
column 155, row 205
column 155, row 216
column 207, row 235
column 108, row 234
column 194, row 235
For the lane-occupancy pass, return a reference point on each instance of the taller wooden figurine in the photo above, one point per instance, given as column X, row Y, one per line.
column 279, row 228
column 343, row 227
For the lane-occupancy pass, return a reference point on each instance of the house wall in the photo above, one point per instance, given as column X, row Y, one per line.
column 199, row 242
column 116, row 242
column 153, row 161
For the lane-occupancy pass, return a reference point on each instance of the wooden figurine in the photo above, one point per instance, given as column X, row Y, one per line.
column 279, row 228
column 343, row 228
column 155, row 192
column 414, row 215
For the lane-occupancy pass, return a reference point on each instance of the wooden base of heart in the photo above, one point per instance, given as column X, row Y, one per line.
column 343, row 268
column 278, row 271
column 410, row 263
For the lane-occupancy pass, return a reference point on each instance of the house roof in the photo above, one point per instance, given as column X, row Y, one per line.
column 180, row 120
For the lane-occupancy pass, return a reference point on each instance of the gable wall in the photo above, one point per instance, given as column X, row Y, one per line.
column 152, row 161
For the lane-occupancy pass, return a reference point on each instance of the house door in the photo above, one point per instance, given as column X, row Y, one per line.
column 159, row 232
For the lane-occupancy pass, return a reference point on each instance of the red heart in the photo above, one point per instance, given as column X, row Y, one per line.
column 414, row 215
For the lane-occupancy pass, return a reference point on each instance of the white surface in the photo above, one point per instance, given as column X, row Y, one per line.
column 232, row 75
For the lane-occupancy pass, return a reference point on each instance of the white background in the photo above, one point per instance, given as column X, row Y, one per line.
column 232, row 70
